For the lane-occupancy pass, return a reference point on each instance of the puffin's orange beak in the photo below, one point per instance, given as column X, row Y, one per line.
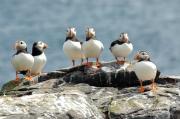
column 125, row 38
column 45, row 46
column 136, row 57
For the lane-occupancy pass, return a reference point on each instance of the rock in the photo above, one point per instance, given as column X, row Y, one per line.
column 175, row 112
column 104, row 102
column 9, row 86
column 66, row 105
column 110, row 92
column 110, row 74
column 146, row 106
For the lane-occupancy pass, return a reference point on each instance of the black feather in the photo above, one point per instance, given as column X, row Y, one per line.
column 88, row 38
column 142, row 59
column 23, row 72
column 73, row 39
column 36, row 51
column 117, row 42
column 21, row 51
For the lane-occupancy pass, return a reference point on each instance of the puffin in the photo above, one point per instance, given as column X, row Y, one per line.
column 22, row 61
column 145, row 69
column 92, row 48
column 121, row 48
column 40, row 59
column 72, row 47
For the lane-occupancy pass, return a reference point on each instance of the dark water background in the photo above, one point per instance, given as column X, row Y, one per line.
column 153, row 25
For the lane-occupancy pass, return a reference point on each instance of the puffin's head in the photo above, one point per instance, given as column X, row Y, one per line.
column 124, row 37
column 71, row 32
column 40, row 45
column 142, row 56
column 20, row 45
column 90, row 32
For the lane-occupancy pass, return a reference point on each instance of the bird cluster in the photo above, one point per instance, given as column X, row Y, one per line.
column 26, row 63
column 121, row 48
column 32, row 64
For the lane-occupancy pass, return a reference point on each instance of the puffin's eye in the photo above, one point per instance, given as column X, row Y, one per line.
column 21, row 42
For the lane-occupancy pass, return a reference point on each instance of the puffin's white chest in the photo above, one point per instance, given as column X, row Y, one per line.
column 39, row 63
column 92, row 48
column 145, row 70
column 73, row 49
column 122, row 50
column 22, row 62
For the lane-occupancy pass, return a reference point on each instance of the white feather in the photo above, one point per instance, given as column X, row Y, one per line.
column 22, row 62
column 73, row 50
column 92, row 48
column 145, row 70
column 39, row 63
column 122, row 50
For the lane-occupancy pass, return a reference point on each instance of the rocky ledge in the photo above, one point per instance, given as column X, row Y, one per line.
column 110, row 92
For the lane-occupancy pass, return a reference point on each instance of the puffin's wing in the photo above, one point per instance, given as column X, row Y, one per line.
column 77, row 40
column 113, row 44
column 21, row 51
column 80, row 41
column 101, row 44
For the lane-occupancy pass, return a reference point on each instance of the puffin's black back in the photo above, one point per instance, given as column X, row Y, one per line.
column 117, row 42
column 21, row 51
column 23, row 72
column 35, row 50
column 73, row 39
column 88, row 38
column 144, row 60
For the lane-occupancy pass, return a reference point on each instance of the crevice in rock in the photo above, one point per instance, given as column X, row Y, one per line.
column 23, row 94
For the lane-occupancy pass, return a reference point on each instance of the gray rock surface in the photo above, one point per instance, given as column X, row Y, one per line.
column 64, row 105
column 51, row 96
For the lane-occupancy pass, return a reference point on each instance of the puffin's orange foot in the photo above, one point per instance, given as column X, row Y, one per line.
column 120, row 62
column 141, row 89
column 29, row 78
column 88, row 64
column 17, row 80
column 98, row 65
